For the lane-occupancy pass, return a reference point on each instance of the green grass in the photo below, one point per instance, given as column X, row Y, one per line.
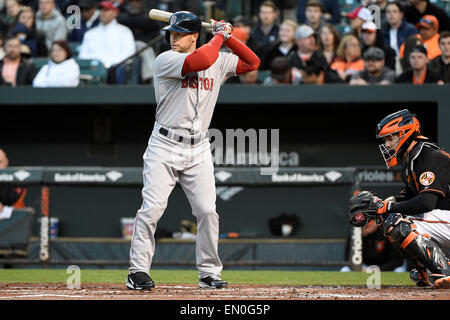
column 259, row 277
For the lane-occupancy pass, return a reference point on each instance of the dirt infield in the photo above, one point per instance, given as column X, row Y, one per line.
column 11, row 291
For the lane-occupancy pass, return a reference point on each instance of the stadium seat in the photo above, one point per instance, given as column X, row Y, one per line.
column 343, row 28
column 40, row 62
column 75, row 47
column 263, row 74
column 92, row 72
column 348, row 5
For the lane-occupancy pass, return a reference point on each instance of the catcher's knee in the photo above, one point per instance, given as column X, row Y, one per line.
column 417, row 247
column 398, row 230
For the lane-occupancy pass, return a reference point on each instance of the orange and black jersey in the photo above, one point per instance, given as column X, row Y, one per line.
column 426, row 174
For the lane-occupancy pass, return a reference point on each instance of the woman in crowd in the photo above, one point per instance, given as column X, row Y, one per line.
column 329, row 39
column 61, row 70
column 284, row 46
column 26, row 17
column 349, row 61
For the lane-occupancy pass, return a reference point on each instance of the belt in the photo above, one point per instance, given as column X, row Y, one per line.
column 180, row 138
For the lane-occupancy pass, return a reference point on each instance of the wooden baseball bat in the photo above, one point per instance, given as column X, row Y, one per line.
column 164, row 16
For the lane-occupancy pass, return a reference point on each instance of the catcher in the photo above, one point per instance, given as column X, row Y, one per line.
column 417, row 221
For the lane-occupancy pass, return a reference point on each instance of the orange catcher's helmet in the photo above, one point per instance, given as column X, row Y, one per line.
column 398, row 131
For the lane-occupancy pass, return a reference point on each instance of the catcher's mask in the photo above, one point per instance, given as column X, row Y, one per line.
column 184, row 22
column 397, row 130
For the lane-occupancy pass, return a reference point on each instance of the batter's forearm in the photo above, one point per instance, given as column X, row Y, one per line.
column 248, row 60
column 203, row 57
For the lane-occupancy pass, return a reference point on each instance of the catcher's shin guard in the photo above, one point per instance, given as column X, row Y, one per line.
column 419, row 248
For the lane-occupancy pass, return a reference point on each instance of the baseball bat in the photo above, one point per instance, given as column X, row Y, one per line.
column 164, row 16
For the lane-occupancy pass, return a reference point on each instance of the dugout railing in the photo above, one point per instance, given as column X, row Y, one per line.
column 244, row 251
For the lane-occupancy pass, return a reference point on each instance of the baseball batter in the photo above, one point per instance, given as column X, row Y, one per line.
column 187, row 83
column 417, row 221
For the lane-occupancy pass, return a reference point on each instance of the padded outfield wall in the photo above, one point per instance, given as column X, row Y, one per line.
column 326, row 126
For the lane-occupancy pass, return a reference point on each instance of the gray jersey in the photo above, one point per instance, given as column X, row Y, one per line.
column 187, row 103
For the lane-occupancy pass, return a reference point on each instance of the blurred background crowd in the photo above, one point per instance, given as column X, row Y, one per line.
column 69, row 43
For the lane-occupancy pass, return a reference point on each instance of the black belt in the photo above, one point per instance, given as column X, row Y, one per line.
column 180, row 138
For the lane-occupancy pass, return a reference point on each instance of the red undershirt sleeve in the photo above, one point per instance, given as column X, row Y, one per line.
column 203, row 57
column 248, row 60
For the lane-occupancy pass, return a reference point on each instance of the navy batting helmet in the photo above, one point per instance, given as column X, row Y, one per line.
column 184, row 22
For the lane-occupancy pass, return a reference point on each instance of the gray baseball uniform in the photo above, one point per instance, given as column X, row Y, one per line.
column 179, row 148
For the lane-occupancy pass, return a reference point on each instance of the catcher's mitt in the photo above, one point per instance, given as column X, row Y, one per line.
column 363, row 207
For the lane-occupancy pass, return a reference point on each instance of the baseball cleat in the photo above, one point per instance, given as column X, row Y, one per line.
column 418, row 278
column 139, row 281
column 442, row 283
column 212, row 282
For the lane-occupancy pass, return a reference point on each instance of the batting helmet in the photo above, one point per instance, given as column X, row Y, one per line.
column 183, row 22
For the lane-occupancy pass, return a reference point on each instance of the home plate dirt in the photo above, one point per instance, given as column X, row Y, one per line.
column 234, row 292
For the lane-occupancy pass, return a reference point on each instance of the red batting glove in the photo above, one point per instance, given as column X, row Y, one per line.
column 221, row 27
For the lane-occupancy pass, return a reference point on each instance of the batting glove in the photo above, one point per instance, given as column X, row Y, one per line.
column 221, row 27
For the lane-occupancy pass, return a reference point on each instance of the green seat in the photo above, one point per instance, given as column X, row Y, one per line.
column 40, row 62
column 263, row 74
column 348, row 5
column 75, row 47
column 92, row 71
column 343, row 28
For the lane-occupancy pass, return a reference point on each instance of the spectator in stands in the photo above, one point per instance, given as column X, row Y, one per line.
column 314, row 15
column 375, row 71
column 10, row 18
column 410, row 43
column 90, row 18
column 15, row 70
column 372, row 37
column 28, row 47
column 135, row 17
column 419, row 8
column 26, row 17
column 282, row 47
column 329, row 39
column 316, row 73
column 245, row 78
column 245, row 24
column 441, row 64
column 50, row 22
column 109, row 42
column 307, row 48
column 282, row 73
column 396, row 30
column 428, row 28
column 357, row 17
column 419, row 73
column 10, row 195
column 61, row 70
column 349, row 61
column 331, row 11
column 266, row 32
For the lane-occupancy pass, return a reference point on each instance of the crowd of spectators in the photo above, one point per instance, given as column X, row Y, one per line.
column 319, row 42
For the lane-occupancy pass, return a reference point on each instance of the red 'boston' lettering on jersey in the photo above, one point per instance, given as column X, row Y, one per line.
column 194, row 82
